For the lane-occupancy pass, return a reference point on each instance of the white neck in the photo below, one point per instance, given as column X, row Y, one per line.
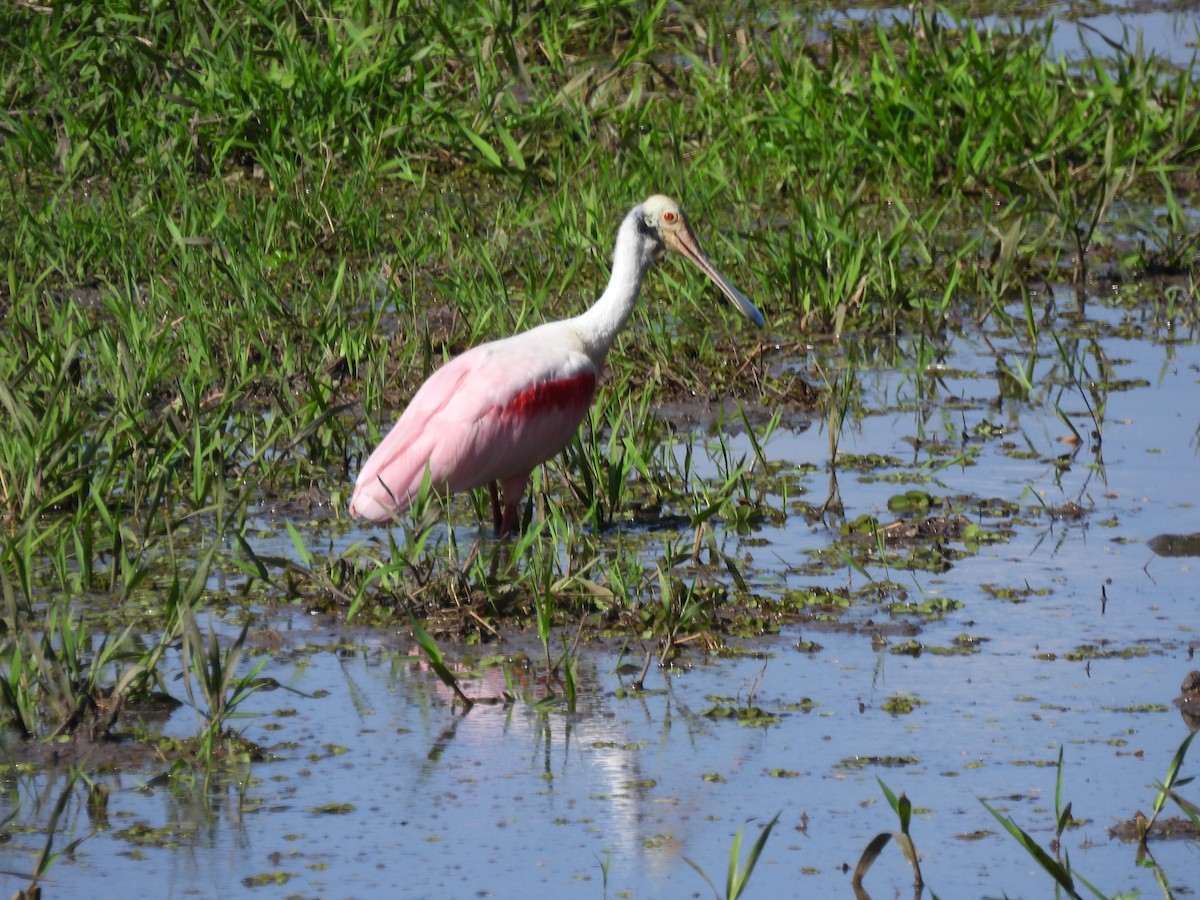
column 633, row 257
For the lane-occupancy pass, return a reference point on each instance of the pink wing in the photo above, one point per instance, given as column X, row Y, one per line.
column 493, row 413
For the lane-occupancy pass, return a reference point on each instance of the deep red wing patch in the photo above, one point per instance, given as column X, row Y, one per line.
column 565, row 393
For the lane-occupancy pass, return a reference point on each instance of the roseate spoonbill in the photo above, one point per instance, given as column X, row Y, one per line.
column 502, row 408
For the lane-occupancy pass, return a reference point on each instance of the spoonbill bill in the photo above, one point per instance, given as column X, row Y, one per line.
column 499, row 410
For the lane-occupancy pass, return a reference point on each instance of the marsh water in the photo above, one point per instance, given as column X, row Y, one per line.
column 1166, row 31
column 1064, row 633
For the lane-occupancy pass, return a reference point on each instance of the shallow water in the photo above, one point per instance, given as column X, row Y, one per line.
column 1170, row 33
column 378, row 786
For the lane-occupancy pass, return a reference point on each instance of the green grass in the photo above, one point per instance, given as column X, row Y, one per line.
column 902, row 807
column 237, row 238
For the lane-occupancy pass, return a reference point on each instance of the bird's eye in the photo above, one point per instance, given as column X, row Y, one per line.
column 669, row 217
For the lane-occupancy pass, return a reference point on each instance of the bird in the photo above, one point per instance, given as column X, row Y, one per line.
column 494, row 413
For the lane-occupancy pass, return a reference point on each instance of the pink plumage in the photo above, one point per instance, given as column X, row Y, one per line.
column 493, row 414
column 490, row 415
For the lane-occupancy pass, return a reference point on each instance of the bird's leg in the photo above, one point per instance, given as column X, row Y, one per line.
column 514, row 490
column 509, row 524
column 497, row 522
column 501, row 555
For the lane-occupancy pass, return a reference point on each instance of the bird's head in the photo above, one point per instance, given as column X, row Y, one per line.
column 662, row 220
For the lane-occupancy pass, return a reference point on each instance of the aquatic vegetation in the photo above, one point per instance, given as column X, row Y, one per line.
column 1057, row 868
column 218, row 688
column 902, row 704
column 1167, row 790
column 1140, row 828
column 433, row 656
column 738, row 873
column 902, row 807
